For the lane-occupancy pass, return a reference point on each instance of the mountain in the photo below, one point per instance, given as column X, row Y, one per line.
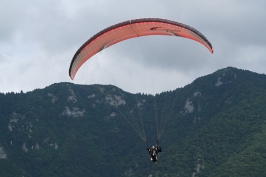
column 215, row 126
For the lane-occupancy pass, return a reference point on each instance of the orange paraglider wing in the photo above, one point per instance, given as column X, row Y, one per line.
column 131, row 29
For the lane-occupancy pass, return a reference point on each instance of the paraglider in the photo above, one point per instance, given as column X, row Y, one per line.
column 131, row 29
column 128, row 30
column 153, row 151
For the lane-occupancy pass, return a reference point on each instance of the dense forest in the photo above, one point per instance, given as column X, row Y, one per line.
column 215, row 126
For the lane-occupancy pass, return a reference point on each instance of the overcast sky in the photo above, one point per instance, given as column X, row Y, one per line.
column 39, row 38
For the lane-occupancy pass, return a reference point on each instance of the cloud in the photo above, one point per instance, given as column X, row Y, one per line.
column 39, row 38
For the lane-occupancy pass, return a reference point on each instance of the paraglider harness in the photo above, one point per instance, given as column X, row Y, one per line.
column 154, row 152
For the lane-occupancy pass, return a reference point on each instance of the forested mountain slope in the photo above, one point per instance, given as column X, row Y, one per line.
column 215, row 126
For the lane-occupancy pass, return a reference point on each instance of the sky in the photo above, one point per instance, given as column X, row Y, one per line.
column 39, row 38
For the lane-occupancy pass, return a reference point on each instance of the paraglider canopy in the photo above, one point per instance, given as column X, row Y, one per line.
column 131, row 29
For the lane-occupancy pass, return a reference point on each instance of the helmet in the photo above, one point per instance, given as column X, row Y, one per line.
column 153, row 147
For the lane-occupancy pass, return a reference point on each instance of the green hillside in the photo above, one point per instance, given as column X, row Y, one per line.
column 215, row 126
